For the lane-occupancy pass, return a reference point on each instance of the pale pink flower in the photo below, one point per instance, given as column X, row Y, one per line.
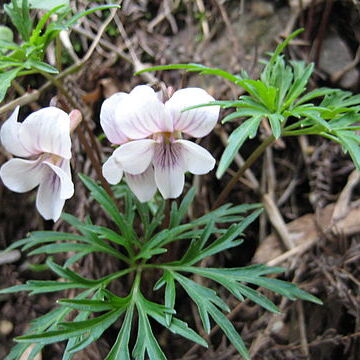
column 152, row 153
column 44, row 139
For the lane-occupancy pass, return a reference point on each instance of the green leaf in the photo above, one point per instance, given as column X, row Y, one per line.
column 170, row 293
column 206, row 300
column 120, row 350
column 78, row 343
column 302, row 74
column 146, row 340
column 176, row 326
column 46, row 322
column 46, row 4
column 180, row 328
column 178, row 215
column 236, row 273
column 316, row 119
column 245, row 112
column 64, row 247
column 6, row 40
column 73, row 329
column 69, row 274
column 101, row 196
column 20, row 17
column 227, row 240
column 148, row 254
column 41, row 66
column 5, row 81
column 195, row 67
column 275, row 122
column 264, row 94
column 344, row 122
column 280, row 76
column 203, row 298
column 320, row 92
column 351, row 143
column 226, row 213
column 197, row 245
column 156, row 221
column 229, row 330
column 257, row 298
column 281, row 46
column 235, row 141
column 284, row 288
column 87, row 305
column 106, row 233
column 162, row 238
column 92, row 242
column 229, row 279
column 7, row 61
column 36, row 34
column 6, row 34
column 43, row 286
column 43, row 237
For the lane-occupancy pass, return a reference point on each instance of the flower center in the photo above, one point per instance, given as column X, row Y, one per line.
column 167, row 155
column 52, row 158
column 167, row 137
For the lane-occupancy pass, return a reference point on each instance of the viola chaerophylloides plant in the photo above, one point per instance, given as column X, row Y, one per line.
column 152, row 130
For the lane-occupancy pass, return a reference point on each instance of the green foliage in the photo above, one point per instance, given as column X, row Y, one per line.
column 95, row 308
column 337, row 118
column 27, row 57
column 46, row 4
column 278, row 97
column 6, row 38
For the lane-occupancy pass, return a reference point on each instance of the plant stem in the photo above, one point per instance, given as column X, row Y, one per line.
column 250, row 160
column 118, row 274
column 90, row 153
column 136, row 284
column 167, row 210
column 58, row 52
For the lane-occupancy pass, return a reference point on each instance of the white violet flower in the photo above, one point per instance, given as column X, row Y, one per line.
column 44, row 139
column 152, row 153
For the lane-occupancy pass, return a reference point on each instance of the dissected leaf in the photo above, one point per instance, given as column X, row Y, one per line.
column 5, row 81
column 120, row 349
column 235, row 141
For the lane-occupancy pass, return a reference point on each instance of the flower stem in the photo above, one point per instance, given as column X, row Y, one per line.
column 250, row 160
column 167, row 211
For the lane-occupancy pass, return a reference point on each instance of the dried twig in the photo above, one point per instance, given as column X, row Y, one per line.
column 138, row 65
column 8, row 257
column 339, row 74
column 277, row 221
column 204, row 22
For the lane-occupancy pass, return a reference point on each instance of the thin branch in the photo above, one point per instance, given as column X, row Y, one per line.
column 250, row 160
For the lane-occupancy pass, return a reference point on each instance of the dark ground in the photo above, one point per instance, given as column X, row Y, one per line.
column 305, row 176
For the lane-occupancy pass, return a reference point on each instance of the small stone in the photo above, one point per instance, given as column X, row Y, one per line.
column 334, row 57
column 300, row 4
column 262, row 9
column 280, row 331
column 6, row 327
